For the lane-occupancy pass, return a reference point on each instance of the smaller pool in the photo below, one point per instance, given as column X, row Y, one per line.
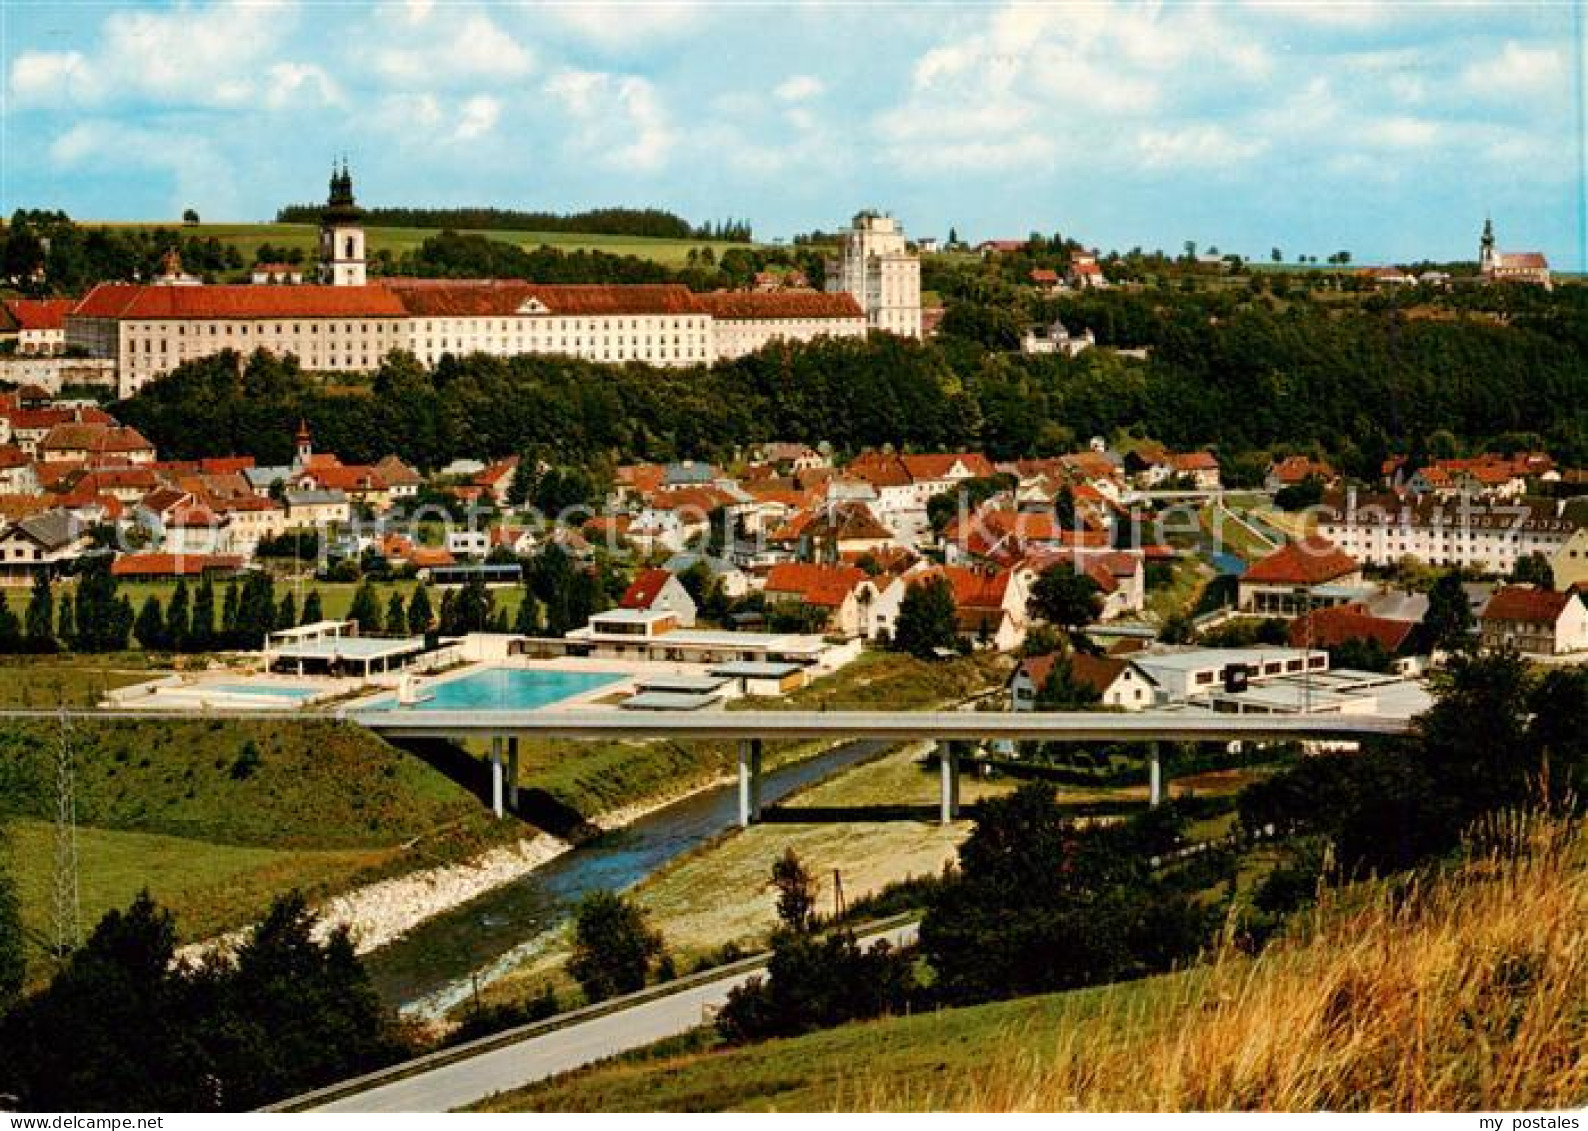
column 506, row 689
column 263, row 691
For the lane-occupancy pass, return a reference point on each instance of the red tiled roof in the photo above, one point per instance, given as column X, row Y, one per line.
column 1294, row 469
column 1312, row 562
column 1044, row 275
column 973, row 588
column 239, row 300
column 172, row 565
column 1526, row 605
column 445, row 298
column 94, row 438
column 43, row 419
column 1329, row 628
column 1194, row 461
column 39, row 313
column 645, row 588
column 751, row 305
column 11, row 457
column 938, row 466
column 825, row 585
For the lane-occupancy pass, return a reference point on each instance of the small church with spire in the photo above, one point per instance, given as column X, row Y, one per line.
column 1510, row 266
column 342, row 233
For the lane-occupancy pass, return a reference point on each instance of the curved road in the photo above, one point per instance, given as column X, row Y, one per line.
column 460, row 1080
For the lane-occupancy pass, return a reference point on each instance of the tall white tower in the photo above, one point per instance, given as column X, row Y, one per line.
column 342, row 234
column 882, row 273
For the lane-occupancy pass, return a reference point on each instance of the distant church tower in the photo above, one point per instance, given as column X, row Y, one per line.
column 342, row 234
column 1486, row 262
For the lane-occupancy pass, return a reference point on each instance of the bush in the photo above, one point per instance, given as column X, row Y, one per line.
column 614, row 946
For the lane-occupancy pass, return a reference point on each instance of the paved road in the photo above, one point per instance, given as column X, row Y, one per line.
column 463, row 1082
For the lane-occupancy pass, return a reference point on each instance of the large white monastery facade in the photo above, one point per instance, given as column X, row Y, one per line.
column 345, row 323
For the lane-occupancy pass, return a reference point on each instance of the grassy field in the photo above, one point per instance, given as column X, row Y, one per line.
column 208, row 887
column 1190, row 578
column 1461, row 992
column 217, row 817
column 66, row 681
column 247, row 238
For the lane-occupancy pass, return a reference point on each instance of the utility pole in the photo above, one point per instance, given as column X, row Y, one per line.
column 68, row 923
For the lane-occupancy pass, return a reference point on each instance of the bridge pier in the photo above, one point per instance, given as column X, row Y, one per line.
column 512, row 773
column 496, row 777
column 1155, row 774
column 948, row 783
column 749, row 781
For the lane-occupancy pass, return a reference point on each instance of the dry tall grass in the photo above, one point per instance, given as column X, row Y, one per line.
column 1465, row 991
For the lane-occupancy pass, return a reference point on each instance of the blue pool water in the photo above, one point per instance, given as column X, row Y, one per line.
column 508, row 689
column 293, row 693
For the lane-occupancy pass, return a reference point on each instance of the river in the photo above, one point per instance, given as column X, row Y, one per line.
column 437, row 965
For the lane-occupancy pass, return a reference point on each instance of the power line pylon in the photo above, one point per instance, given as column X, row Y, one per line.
column 68, row 917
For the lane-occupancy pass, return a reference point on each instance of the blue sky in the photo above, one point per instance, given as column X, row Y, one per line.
column 1389, row 129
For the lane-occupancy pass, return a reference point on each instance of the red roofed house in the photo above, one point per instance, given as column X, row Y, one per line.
column 1202, row 468
column 97, row 444
column 159, row 566
column 1340, row 624
column 904, row 484
column 1299, row 577
column 497, row 479
column 1045, row 279
column 17, row 476
column 834, row 588
column 1292, row 471
column 1542, row 622
column 40, row 324
column 1118, row 682
column 990, row 604
column 657, row 590
column 1086, row 271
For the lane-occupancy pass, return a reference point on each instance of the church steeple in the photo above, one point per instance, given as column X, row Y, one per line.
column 342, row 233
column 1486, row 245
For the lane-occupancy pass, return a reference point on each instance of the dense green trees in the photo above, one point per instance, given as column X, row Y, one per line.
column 1498, row 737
column 614, row 947
column 1064, row 597
column 927, row 619
column 123, row 1026
column 1448, row 621
column 13, row 963
column 1241, row 377
column 1039, row 904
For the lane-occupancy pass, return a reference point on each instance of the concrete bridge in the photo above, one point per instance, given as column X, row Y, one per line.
column 504, row 729
column 750, row 729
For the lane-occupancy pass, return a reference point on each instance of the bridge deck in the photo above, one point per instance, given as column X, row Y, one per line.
column 1082, row 726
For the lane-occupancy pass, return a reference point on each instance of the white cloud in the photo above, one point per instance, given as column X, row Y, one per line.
column 1518, row 71
column 799, row 88
column 478, row 116
column 619, row 25
column 619, row 121
column 200, row 176
column 474, row 47
column 300, row 84
column 211, row 56
column 1196, row 146
column 1031, row 81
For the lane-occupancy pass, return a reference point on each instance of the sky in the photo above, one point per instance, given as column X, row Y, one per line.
column 1387, row 129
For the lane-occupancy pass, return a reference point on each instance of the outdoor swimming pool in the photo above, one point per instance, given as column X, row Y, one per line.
column 506, row 689
column 262, row 690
